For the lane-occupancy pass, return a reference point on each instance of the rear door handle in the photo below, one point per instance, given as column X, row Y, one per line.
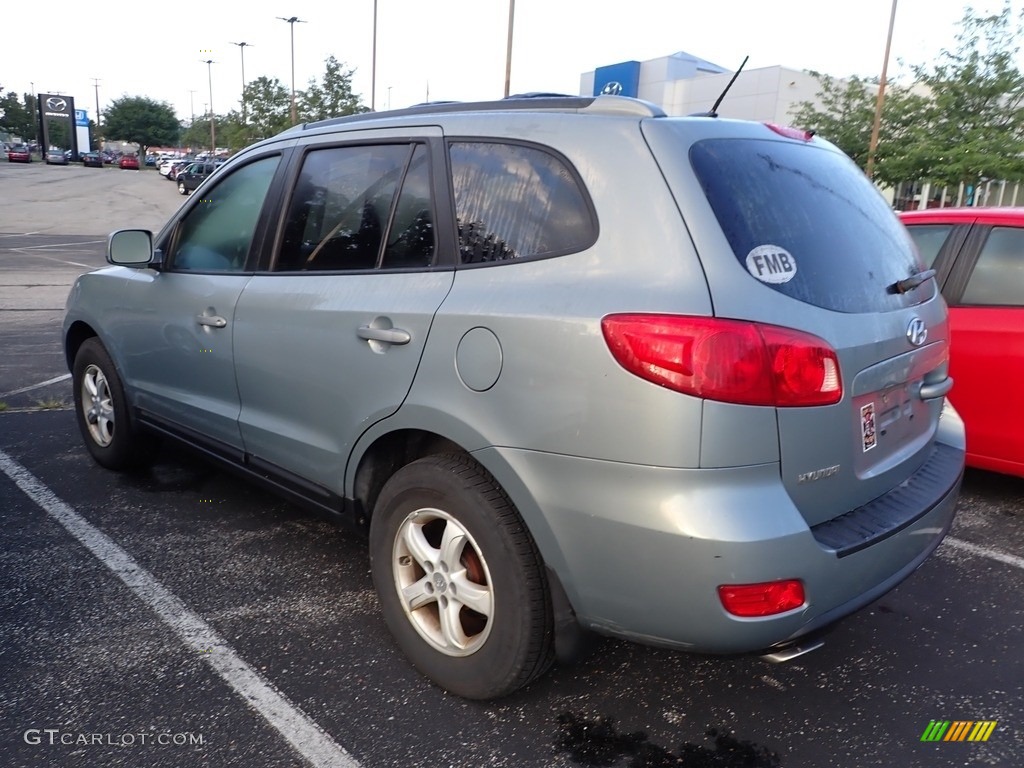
column 214, row 321
column 386, row 335
column 938, row 389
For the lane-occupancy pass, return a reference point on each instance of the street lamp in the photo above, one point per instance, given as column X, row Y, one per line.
column 241, row 50
column 213, row 131
column 291, row 23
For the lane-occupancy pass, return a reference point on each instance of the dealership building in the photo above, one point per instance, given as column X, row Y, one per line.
column 683, row 84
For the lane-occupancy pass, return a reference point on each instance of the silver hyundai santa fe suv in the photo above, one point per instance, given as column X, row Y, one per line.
column 573, row 365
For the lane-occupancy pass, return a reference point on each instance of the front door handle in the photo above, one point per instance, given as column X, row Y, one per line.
column 214, row 321
column 386, row 335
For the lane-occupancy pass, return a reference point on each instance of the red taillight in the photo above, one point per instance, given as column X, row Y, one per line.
column 765, row 599
column 731, row 361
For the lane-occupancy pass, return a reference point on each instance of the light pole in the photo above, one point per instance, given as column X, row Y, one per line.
column 508, row 52
column 373, row 67
column 869, row 169
column 213, row 131
column 241, row 50
column 291, row 23
column 99, row 132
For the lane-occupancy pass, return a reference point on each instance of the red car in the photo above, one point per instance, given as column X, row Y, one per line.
column 978, row 256
column 130, row 162
column 19, row 153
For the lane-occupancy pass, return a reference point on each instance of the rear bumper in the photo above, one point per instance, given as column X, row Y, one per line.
column 641, row 550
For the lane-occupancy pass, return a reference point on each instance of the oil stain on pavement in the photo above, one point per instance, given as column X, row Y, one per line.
column 595, row 742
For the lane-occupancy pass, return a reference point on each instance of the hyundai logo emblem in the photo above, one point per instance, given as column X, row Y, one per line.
column 55, row 104
column 917, row 332
column 612, row 89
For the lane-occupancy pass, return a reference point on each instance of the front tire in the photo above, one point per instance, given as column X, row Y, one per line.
column 101, row 410
column 181, row 188
column 460, row 581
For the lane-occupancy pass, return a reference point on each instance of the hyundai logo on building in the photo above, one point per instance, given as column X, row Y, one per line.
column 917, row 332
column 56, row 104
column 612, row 89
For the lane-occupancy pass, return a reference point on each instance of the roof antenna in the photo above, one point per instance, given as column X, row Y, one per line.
column 714, row 108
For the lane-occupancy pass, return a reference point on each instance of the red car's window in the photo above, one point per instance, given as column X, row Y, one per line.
column 998, row 276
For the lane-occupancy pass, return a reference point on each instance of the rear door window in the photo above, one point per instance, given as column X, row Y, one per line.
column 807, row 223
column 361, row 207
column 998, row 276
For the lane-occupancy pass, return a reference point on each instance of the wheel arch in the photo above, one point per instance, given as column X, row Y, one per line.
column 382, row 452
column 76, row 335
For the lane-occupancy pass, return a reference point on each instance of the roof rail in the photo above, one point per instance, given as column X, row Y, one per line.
column 549, row 102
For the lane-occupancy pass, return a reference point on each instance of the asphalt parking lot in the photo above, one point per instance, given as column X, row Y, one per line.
column 182, row 618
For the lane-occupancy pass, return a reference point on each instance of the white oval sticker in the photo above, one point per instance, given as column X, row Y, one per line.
column 771, row 264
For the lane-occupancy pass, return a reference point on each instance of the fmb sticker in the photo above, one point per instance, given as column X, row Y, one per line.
column 771, row 264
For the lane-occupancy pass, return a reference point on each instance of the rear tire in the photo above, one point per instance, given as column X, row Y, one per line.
column 101, row 410
column 461, row 584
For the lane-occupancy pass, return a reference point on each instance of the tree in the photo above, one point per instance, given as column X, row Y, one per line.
column 333, row 98
column 961, row 121
column 846, row 116
column 19, row 117
column 268, row 105
column 141, row 121
column 974, row 122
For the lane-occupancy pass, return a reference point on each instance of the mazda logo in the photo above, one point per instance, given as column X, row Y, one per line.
column 55, row 104
column 612, row 89
column 917, row 332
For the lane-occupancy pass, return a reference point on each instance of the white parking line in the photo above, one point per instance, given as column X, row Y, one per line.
column 36, row 386
column 305, row 736
column 992, row 554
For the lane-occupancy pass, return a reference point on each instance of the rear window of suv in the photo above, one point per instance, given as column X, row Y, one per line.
column 807, row 223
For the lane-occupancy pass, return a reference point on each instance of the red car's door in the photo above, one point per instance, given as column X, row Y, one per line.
column 987, row 352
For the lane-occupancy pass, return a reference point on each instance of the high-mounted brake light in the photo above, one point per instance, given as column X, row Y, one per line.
column 766, row 599
column 731, row 361
column 790, row 132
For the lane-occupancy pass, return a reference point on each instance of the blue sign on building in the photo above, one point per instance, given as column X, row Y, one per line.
column 618, row 79
column 81, row 118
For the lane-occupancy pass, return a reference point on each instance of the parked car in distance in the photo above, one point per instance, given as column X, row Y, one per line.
column 978, row 257
column 19, row 153
column 168, row 165
column 56, row 157
column 92, row 160
column 569, row 363
column 129, row 162
column 192, row 175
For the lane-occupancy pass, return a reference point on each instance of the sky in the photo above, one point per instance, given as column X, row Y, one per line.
column 453, row 49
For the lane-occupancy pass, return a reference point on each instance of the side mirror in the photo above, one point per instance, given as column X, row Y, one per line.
column 130, row 248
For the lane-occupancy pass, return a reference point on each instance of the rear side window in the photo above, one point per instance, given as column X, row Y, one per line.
column 807, row 223
column 998, row 276
column 514, row 201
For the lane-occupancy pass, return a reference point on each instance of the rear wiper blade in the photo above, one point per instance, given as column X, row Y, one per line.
column 910, row 283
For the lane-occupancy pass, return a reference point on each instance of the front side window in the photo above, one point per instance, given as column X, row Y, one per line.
column 360, row 207
column 514, row 201
column 998, row 276
column 216, row 234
